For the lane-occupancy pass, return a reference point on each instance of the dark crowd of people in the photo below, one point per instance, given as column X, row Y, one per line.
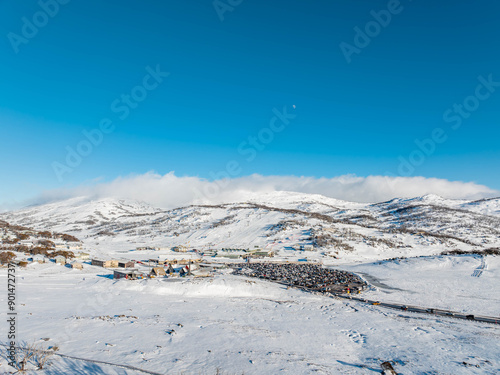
column 311, row 276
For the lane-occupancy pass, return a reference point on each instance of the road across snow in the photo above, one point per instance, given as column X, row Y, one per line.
column 442, row 282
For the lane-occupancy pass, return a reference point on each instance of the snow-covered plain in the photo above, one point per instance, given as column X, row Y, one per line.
column 238, row 325
column 443, row 282
column 242, row 325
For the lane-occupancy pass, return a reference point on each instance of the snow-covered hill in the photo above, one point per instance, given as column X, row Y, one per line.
column 339, row 230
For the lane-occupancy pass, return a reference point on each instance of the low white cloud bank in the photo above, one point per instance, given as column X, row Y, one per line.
column 170, row 191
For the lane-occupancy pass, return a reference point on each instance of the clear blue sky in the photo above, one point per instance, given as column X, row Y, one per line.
column 227, row 76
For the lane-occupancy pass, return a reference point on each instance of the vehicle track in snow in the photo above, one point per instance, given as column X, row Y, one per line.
column 479, row 270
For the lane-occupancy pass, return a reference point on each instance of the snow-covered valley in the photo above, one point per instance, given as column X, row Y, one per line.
column 234, row 324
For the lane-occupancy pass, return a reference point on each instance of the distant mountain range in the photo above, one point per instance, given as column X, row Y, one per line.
column 338, row 229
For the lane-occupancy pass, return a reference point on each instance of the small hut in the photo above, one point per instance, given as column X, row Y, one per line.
column 39, row 258
column 60, row 259
column 105, row 263
column 170, row 269
column 184, row 271
column 158, row 271
column 77, row 266
column 83, row 256
column 126, row 264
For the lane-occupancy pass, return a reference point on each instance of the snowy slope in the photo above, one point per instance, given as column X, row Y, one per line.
column 340, row 230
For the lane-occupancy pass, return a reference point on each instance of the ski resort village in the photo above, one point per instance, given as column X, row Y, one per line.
column 280, row 283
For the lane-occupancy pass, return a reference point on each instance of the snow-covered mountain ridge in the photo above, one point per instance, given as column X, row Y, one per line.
column 345, row 230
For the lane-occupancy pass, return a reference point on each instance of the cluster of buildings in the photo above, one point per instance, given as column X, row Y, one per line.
column 76, row 263
column 303, row 247
column 151, row 268
column 112, row 263
column 71, row 246
column 233, row 253
column 230, row 253
column 58, row 245
column 130, row 269
column 151, row 248
column 177, row 249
